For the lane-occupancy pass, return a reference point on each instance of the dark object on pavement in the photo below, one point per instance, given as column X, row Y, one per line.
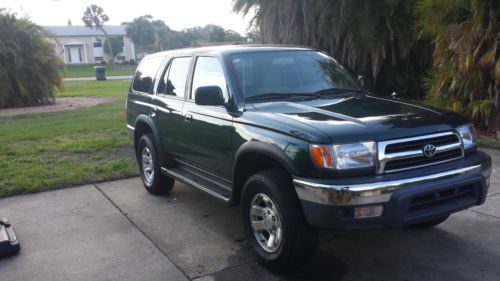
column 9, row 245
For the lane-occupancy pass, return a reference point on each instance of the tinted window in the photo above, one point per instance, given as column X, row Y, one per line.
column 174, row 80
column 289, row 72
column 208, row 72
column 145, row 74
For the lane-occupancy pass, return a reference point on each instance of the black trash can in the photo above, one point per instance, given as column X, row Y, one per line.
column 100, row 73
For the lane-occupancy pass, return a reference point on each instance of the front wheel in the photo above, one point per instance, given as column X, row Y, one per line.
column 154, row 181
column 274, row 223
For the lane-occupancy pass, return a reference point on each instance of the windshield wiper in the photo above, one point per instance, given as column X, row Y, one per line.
column 337, row 91
column 278, row 96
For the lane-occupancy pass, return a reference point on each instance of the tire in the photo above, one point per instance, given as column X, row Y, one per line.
column 429, row 223
column 273, row 192
column 153, row 179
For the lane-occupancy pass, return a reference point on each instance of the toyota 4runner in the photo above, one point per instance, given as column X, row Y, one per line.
column 289, row 135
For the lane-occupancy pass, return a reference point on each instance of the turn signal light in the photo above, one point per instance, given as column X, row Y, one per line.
column 322, row 156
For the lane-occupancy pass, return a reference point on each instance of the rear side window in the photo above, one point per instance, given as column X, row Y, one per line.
column 145, row 74
column 174, row 80
column 208, row 72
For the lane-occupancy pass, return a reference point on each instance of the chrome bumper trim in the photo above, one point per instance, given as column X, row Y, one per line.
column 376, row 192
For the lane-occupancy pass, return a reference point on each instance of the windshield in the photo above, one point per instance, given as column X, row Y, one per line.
column 289, row 72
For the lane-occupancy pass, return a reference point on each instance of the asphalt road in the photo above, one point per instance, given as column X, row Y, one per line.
column 116, row 231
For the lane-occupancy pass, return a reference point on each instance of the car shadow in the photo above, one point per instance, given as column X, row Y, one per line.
column 205, row 239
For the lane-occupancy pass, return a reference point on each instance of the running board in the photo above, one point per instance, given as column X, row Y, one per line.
column 203, row 184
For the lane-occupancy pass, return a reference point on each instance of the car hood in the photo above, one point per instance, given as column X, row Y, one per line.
column 364, row 117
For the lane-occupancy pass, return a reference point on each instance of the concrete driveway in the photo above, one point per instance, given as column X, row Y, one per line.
column 116, row 231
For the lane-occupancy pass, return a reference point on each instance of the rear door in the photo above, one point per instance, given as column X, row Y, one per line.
column 169, row 101
column 208, row 129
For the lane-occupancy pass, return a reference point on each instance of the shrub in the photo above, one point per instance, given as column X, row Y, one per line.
column 466, row 58
column 30, row 70
column 112, row 47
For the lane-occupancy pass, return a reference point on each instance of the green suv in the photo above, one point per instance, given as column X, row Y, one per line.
column 289, row 135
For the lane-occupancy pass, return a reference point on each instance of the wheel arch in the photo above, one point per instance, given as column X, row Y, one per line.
column 145, row 125
column 253, row 157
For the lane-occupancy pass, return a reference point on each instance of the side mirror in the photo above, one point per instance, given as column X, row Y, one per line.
column 365, row 82
column 209, row 95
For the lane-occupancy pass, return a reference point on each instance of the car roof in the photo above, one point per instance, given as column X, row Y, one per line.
column 230, row 49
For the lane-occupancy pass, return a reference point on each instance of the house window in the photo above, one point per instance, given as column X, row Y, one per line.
column 98, row 58
column 98, row 43
column 121, row 41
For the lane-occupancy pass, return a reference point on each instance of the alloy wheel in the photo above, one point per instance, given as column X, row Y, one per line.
column 148, row 168
column 266, row 223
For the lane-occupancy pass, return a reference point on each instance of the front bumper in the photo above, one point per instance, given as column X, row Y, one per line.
column 330, row 203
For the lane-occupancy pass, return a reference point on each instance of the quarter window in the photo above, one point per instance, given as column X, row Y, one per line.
column 145, row 74
column 174, row 80
column 208, row 72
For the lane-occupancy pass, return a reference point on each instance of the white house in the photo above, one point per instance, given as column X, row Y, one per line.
column 83, row 45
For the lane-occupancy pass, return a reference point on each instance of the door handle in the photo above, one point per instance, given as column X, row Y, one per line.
column 188, row 117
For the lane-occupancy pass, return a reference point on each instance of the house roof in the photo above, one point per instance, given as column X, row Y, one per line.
column 75, row 30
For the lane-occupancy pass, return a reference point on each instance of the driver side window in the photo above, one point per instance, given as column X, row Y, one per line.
column 209, row 72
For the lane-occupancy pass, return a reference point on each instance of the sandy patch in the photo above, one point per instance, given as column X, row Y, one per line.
column 61, row 104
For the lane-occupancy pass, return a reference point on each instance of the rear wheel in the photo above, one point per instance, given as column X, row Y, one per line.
column 429, row 223
column 274, row 223
column 154, row 181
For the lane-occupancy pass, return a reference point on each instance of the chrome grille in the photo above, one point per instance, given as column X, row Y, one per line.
column 407, row 153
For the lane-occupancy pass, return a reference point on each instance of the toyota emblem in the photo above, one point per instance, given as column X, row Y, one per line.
column 429, row 150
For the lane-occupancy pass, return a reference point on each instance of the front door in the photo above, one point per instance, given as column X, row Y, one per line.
column 75, row 54
column 208, row 129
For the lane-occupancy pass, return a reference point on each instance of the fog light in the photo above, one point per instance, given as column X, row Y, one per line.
column 368, row 212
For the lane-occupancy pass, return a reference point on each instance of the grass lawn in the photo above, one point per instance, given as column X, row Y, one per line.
column 486, row 142
column 73, row 71
column 114, row 88
column 51, row 150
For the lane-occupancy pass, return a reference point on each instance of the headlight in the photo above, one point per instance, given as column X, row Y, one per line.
column 468, row 135
column 354, row 155
column 344, row 156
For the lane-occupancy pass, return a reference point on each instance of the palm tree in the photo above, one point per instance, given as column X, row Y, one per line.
column 467, row 55
column 371, row 37
column 30, row 70
column 94, row 17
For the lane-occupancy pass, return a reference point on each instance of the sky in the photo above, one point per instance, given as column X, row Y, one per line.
column 177, row 14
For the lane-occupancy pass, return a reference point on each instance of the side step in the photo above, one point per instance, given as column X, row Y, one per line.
column 209, row 186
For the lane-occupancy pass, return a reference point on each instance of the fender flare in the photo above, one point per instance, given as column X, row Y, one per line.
column 151, row 124
column 266, row 149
